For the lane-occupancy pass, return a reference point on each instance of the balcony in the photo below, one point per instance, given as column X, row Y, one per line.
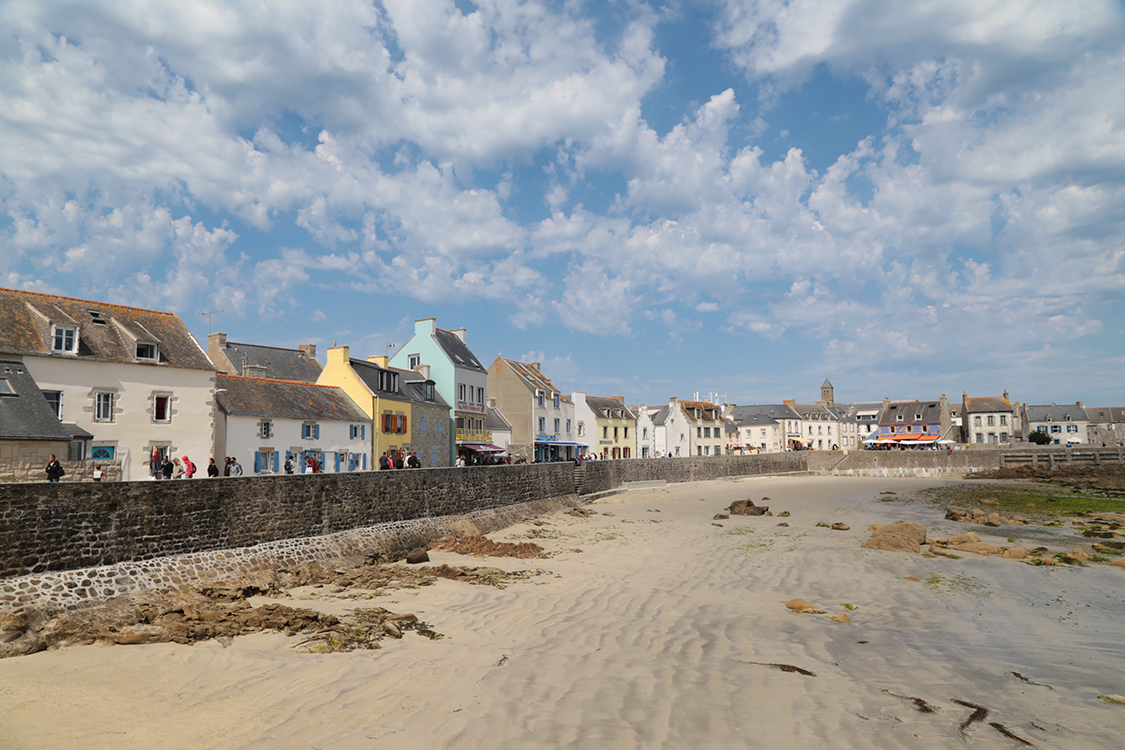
column 464, row 435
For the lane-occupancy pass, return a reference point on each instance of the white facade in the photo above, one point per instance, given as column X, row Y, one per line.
column 673, row 434
column 262, row 445
column 646, row 431
column 130, row 408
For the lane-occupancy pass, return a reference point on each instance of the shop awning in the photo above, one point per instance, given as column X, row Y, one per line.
column 556, row 442
column 482, row 447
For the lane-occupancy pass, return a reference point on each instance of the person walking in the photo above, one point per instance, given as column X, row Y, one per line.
column 288, row 464
column 384, row 462
column 167, row 468
column 177, row 469
column 212, row 469
column 54, row 469
column 235, row 467
column 155, row 463
column 99, row 475
column 226, row 467
column 189, row 468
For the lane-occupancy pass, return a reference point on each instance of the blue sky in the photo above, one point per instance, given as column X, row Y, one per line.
column 653, row 200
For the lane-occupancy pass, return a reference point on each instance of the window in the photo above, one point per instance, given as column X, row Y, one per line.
column 1003, row 420
column 103, row 452
column 706, row 450
column 1003, row 437
column 626, row 436
column 480, row 395
column 992, row 437
column 1072, row 428
column 54, row 398
column 699, row 432
column 96, row 317
column 461, row 392
column 428, row 391
column 6, row 387
column 75, row 450
column 103, row 407
column 980, row 438
column 899, row 417
column 65, row 339
column 581, row 429
column 625, row 453
column 146, row 351
column 542, row 424
column 644, row 434
column 415, row 360
column 540, row 398
column 1056, row 428
column 388, row 381
column 615, row 435
column 991, row 421
column 266, row 430
column 437, row 427
column 699, row 450
column 706, row 432
column 568, row 427
column 763, row 433
column 556, row 426
column 310, row 431
column 160, row 410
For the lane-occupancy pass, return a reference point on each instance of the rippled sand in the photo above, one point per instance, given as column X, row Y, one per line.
column 660, row 633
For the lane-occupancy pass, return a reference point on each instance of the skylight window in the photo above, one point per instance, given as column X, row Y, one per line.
column 96, row 317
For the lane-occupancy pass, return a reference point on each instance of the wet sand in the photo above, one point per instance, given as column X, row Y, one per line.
column 660, row 633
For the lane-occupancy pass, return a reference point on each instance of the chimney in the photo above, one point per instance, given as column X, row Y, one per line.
column 491, row 402
column 425, row 326
column 380, row 359
column 529, row 364
column 1005, row 395
column 309, row 350
column 423, row 370
column 253, row 371
column 339, row 354
column 218, row 338
column 1081, row 405
column 620, row 398
column 672, row 400
column 459, row 333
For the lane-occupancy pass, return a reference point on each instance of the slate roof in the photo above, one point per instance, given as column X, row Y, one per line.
column 826, row 383
column 1053, row 413
column 534, row 379
column 368, row 372
column 285, row 399
column 987, row 404
column 609, row 408
column 751, row 420
column 660, row 416
column 494, row 420
column 279, row 363
column 459, row 354
column 106, row 332
column 1105, row 414
column 24, row 412
column 776, row 411
column 913, row 412
column 413, row 385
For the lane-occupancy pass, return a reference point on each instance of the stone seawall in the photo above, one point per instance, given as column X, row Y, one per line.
column 906, row 463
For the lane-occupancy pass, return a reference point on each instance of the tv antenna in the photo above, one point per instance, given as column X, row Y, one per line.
column 210, row 315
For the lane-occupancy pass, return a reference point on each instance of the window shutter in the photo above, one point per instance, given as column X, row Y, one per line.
column 364, row 460
column 276, row 461
column 362, row 431
column 316, row 431
column 257, row 461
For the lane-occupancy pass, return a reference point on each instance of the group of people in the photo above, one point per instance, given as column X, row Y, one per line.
column 399, row 460
column 312, row 466
column 164, row 466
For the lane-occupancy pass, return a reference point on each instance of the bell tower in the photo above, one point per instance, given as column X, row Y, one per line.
column 826, row 393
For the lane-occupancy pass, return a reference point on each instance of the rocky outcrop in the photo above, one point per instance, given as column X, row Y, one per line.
column 900, row 536
column 748, row 508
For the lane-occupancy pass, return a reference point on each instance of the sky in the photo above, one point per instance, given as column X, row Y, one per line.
column 730, row 198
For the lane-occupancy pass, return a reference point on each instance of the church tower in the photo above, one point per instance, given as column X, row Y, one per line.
column 826, row 393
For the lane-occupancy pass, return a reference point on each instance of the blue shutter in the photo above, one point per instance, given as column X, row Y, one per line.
column 362, row 431
column 316, row 431
column 257, row 461
column 276, row 462
column 433, row 456
column 337, row 461
column 365, row 461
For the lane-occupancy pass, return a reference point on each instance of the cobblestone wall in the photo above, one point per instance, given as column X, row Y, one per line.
column 25, row 460
column 905, row 463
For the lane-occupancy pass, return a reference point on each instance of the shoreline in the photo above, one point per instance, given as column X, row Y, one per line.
column 661, row 632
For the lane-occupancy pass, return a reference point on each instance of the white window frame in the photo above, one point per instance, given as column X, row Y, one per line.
column 155, row 351
column 104, row 397
column 167, row 408
column 60, row 332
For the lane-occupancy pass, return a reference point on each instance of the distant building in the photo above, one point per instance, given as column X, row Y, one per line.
column 1107, row 425
column 759, row 416
column 542, row 418
column 914, row 424
column 30, row 430
column 987, row 420
column 1064, row 425
column 606, row 424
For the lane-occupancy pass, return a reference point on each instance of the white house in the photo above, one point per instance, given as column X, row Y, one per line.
column 646, row 430
column 134, row 379
column 673, row 430
column 264, row 422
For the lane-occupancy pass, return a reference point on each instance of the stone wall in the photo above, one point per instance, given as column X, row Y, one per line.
column 24, row 461
column 47, row 527
column 598, row 476
column 918, row 463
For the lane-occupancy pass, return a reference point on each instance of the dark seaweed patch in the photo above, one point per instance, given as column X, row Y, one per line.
column 919, row 704
column 980, row 713
column 783, row 668
column 1004, row 731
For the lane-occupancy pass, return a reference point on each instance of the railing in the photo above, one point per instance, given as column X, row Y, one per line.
column 474, row 436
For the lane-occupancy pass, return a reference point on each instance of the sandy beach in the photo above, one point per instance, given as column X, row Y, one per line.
column 664, row 631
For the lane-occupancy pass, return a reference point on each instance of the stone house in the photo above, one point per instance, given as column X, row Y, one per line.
column 987, row 420
column 1107, row 425
column 542, row 418
column 429, row 432
column 787, row 418
column 915, row 423
column 134, row 379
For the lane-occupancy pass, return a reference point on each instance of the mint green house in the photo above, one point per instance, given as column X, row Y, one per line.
column 444, row 357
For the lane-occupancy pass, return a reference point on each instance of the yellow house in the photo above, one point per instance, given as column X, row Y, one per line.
column 379, row 392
